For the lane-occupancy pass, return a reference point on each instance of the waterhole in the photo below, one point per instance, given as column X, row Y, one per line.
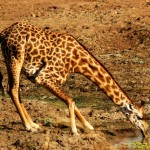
column 124, row 136
column 127, row 141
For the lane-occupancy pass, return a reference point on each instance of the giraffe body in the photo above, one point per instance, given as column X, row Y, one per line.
column 47, row 58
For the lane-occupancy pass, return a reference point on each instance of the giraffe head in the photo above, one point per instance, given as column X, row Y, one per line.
column 137, row 117
column 141, row 118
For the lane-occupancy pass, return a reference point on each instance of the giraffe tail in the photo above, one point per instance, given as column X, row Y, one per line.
column 1, row 76
column 1, row 84
column 1, row 37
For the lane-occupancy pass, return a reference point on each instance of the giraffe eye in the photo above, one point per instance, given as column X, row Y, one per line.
column 130, row 106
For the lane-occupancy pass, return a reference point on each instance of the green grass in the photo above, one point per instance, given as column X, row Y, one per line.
column 140, row 146
column 46, row 121
column 93, row 102
column 86, row 100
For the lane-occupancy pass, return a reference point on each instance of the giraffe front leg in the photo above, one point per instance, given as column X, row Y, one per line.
column 72, row 118
column 69, row 102
column 84, row 122
column 48, row 84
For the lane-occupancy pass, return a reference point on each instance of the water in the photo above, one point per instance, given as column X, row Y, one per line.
column 123, row 137
column 127, row 141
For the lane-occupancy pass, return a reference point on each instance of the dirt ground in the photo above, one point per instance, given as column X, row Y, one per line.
column 118, row 34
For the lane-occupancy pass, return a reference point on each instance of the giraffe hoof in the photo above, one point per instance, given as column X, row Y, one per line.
column 88, row 126
column 74, row 131
column 34, row 128
column 76, row 134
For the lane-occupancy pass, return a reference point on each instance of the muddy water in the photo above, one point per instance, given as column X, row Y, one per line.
column 132, row 139
column 123, row 135
column 127, row 140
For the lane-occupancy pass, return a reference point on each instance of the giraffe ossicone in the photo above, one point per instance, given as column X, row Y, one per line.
column 46, row 58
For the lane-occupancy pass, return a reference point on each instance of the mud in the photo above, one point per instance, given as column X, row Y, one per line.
column 118, row 34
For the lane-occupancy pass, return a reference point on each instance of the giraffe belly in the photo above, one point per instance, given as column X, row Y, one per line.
column 32, row 71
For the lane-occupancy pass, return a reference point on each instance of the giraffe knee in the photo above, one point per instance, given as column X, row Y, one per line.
column 71, row 103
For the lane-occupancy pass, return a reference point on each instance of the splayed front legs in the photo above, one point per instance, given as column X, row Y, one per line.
column 73, row 110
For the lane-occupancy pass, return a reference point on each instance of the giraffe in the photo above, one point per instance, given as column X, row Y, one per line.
column 46, row 58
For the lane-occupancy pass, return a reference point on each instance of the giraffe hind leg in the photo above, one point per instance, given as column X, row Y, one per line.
column 13, row 90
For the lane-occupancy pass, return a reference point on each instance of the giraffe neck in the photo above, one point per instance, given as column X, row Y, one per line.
column 98, row 74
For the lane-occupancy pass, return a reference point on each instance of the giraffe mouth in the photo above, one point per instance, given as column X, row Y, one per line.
column 140, row 123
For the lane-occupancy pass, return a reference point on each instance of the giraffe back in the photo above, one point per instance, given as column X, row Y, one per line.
column 40, row 48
